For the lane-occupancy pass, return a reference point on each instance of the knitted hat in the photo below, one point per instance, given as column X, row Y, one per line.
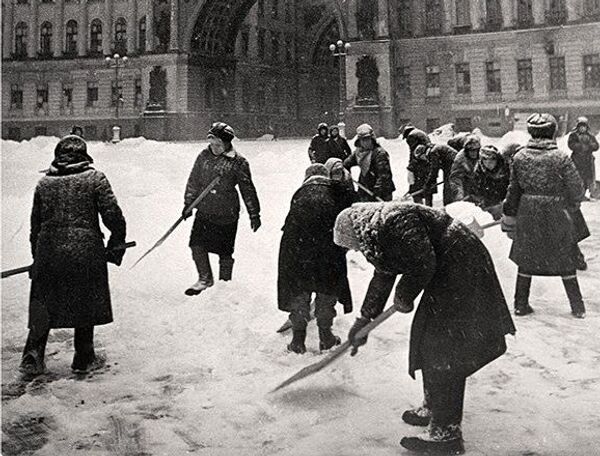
column 417, row 138
column 365, row 131
column 472, row 142
column 222, row 131
column 582, row 121
column 489, row 151
column 72, row 147
column 542, row 126
column 316, row 169
column 343, row 233
column 321, row 126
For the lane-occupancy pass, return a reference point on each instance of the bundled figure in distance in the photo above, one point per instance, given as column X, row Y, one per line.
column 69, row 286
column 217, row 215
column 491, row 179
column 318, row 150
column 544, row 193
column 583, row 144
column 458, row 327
column 419, row 167
column 462, row 174
column 338, row 145
column 310, row 262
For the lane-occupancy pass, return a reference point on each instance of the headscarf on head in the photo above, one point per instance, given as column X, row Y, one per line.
column 490, row 151
column 331, row 163
column 70, row 156
column 583, row 121
column 363, row 156
column 315, row 170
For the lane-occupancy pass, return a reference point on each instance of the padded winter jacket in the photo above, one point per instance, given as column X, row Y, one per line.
column 378, row 178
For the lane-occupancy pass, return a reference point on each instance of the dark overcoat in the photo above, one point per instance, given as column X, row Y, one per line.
column 462, row 318
column 583, row 146
column 319, row 151
column 69, row 286
column 338, row 147
column 491, row 185
column 462, row 177
column 309, row 260
column 419, row 164
column 441, row 158
column 377, row 178
column 544, row 194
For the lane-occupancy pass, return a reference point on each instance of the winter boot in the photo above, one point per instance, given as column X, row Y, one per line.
column 225, row 267
column 205, row 277
column 297, row 343
column 574, row 294
column 327, row 339
column 420, row 416
column 522, row 288
column 32, row 362
column 433, row 447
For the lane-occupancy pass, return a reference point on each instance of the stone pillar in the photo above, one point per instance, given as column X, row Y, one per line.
column 54, row 97
column 29, row 98
column 59, row 23
column 448, row 15
column 83, row 37
column 174, row 38
column 107, row 28
column 539, row 10
column 33, row 34
column 478, row 14
column 508, row 13
column 149, row 25
column 132, row 27
column 8, row 12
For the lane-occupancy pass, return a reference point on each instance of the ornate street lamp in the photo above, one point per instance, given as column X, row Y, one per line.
column 340, row 49
column 117, row 62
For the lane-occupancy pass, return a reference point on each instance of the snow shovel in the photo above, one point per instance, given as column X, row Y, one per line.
column 337, row 352
column 407, row 196
column 367, row 191
column 195, row 203
column 478, row 229
column 22, row 269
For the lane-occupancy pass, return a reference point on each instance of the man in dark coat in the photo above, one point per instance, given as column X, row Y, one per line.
column 462, row 174
column 583, row 144
column 69, row 286
column 462, row 318
column 310, row 262
column 318, row 151
column 544, row 193
column 491, row 181
column 338, row 145
column 217, row 215
column 419, row 167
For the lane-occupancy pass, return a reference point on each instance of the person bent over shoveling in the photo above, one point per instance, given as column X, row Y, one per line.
column 309, row 261
column 462, row 318
column 215, row 225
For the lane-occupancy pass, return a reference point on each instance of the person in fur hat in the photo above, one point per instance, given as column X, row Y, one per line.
column 491, row 181
column 584, row 144
column 540, row 208
column 310, row 262
column 462, row 174
column 69, row 278
column 217, row 215
column 459, row 326
column 318, row 150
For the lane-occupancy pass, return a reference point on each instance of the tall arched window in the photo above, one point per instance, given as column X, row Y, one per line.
column 96, row 37
column 142, row 34
column 21, row 40
column 121, row 36
column 46, row 39
column 71, row 37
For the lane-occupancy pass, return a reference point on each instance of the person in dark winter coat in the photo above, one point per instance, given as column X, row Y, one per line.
column 457, row 142
column 216, row 221
column 338, row 145
column 584, row 144
column 419, row 167
column 462, row 318
column 441, row 158
column 69, row 278
column 374, row 163
column 318, row 151
column 406, row 130
column 491, row 181
column 509, row 151
column 310, row 262
column 462, row 174
column 544, row 193
column 339, row 174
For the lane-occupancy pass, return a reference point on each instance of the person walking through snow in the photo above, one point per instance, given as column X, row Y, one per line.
column 584, row 144
column 318, row 150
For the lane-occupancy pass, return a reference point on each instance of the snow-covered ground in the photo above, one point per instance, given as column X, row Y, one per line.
column 192, row 375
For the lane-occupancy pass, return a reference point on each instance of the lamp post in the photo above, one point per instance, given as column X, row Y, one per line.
column 116, row 62
column 340, row 49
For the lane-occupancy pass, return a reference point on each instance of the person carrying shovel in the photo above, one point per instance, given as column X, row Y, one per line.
column 461, row 321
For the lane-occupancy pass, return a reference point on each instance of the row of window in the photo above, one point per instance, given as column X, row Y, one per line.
column 72, row 37
column 272, row 9
column 41, row 100
column 555, row 14
column 493, row 77
column 275, row 40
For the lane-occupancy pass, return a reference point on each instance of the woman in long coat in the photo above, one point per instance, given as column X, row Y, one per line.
column 69, row 287
column 544, row 194
column 462, row 318
column 309, row 261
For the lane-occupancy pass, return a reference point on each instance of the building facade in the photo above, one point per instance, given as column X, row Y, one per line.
column 265, row 67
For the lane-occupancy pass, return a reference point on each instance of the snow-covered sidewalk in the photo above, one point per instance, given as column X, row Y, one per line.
column 191, row 375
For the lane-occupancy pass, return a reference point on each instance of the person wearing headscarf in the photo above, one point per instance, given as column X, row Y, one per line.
column 491, row 181
column 338, row 145
column 544, row 195
column 462, row 174
column 69, row 277
column 462, row 318
column 341, row 176
column 217, row 214
column 318, row 150
column 310, row 262
column 583, row 145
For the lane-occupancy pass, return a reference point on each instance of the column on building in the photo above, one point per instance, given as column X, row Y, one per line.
column 59, row 23
column 149, row 26
column 418, row 17
column 54, row 97
column 8, row 12
column 107, row 28
column 174, row 38
column 574, row 10
column 539, row 10
column 351, row 12
column 83, row 36
column 448, row 16
column 573, row 68
column 132, row 27
column 478, row 14
column 541, row 70
column 33, row 34
column 80, row 80
column 29, row 95
column 508, row 13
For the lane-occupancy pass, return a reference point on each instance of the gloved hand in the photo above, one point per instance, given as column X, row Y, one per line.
column 359, row 324
column 185, row 213
column 403, row 306
column 255, row 223
column 114, row 256
column 509, row 226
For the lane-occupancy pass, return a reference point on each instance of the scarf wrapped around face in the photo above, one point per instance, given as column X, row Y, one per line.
column 70, row 157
